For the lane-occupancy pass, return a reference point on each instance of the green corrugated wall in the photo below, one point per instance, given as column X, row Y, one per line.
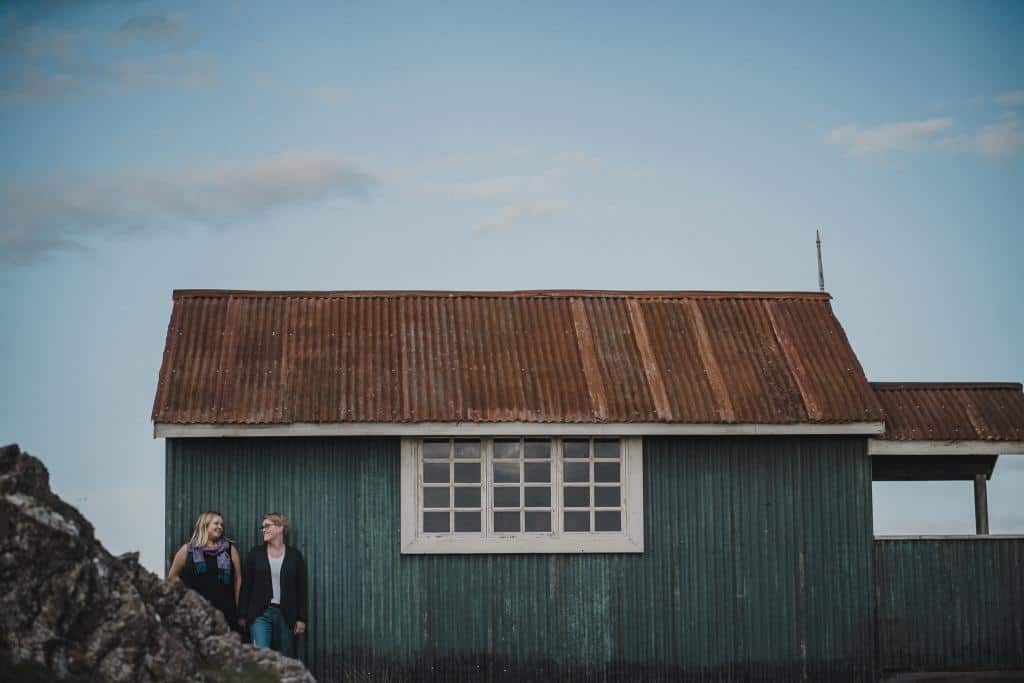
column 758, row 566
column 950, row 604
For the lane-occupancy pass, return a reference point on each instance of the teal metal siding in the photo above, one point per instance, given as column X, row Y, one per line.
column 757, row 566
column 950, row 604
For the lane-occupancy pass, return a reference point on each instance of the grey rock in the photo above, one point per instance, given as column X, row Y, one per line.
column 70, row 607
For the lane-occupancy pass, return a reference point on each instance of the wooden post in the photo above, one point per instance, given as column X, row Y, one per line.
column 981, row 504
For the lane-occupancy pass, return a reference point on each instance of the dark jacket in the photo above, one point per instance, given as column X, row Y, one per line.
column 257, row 588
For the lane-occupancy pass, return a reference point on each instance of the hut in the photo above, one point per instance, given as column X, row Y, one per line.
column 587, row 485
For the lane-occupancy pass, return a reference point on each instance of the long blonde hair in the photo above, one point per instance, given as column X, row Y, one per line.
column 200, row 535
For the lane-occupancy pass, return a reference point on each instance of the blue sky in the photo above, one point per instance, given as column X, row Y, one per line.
column 149, row 146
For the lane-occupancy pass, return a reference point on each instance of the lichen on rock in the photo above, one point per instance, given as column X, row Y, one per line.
column 71, row 610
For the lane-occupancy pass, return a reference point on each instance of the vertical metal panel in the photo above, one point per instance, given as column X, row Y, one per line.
column 948, row 604
column 757, row 566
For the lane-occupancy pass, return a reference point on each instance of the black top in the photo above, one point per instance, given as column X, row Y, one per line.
column 257, row 588
column 219, row 594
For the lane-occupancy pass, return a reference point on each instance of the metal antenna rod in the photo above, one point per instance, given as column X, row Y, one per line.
column 821, row 273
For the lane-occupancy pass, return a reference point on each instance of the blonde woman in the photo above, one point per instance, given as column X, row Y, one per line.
column 273, row 602
column 210, row 565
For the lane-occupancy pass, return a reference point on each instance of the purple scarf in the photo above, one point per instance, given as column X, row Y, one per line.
column 222, row 549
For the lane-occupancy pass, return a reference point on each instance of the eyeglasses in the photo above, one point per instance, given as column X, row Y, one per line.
column 266, row 526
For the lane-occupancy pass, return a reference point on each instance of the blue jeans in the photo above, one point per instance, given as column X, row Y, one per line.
column 271, row 630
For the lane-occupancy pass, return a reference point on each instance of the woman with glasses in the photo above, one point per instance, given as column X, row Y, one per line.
column 209, row 565
column 273, row 597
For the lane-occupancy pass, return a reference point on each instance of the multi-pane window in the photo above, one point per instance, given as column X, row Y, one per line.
column 451, row 486
column 521, row 485
column 592, row 485
column 522, row 494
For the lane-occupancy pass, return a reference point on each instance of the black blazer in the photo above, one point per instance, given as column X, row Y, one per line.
column 257, row 588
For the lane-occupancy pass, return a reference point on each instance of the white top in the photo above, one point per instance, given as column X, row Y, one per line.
column 275, row 576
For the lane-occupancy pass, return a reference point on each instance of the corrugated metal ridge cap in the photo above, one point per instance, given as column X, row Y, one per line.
column 945, row 386
column 514, row 294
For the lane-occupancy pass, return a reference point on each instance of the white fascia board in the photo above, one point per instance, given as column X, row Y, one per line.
column 880, row 447
column 565, row 544
column 954, row 537
column 419, row 429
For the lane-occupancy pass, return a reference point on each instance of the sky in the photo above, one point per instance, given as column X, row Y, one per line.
column 149, row 146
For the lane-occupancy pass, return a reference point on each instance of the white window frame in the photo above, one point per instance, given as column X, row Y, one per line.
column 629, row 540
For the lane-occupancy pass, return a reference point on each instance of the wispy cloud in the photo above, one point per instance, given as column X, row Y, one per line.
column 148, row 27
column 41, row 63
column 490, row 188
column 60, row 213
column 187, row 70
column 887, row 137
column 514, row 215
column 1002, row 139
column 1013, row 98
column 331, row 95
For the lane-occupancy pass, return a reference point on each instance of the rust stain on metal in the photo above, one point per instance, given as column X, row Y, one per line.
column 588, row 357
column 796, row 364
column 714, row 374
column 550, row 356
column 952, row 411
column 643, row 342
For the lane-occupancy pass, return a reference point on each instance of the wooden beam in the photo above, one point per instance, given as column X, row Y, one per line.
column 981, row 504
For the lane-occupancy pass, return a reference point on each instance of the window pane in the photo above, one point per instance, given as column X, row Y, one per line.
column 506, row 472
column 576, row 448
column 607, row 496
column 435, row 497
column 577, row 496
column 607, row 521
column 606, row 448
column 577, row 521
column 538, row 497
column 435, row 449
column 577, row 471
column 435, row 472
column 506, row 448
column 506, row 497
column 538, row 471
column 467, row 472
column 435, row 522
column 538, row 448
column 538, row 521
column 506, row 521
column 467, row 497
column 606, row 471
column 467, row 521
column 467, row 449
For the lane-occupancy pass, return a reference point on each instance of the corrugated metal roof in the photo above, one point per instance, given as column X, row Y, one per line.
column 538, row 356
column 952, row 411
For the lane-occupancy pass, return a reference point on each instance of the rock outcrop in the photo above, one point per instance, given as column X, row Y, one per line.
column 69, row 609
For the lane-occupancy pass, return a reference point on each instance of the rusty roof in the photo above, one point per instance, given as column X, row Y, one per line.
column 952, row 411
column 550, row 356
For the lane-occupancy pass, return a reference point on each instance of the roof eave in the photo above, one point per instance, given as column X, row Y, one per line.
column 169, row 430
column 955, row 447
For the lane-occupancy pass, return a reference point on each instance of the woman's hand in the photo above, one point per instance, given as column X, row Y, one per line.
column 300, row 628
column 241, row 622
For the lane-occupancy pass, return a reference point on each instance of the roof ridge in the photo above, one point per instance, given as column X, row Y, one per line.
column 945, row 386
column 534, row 293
